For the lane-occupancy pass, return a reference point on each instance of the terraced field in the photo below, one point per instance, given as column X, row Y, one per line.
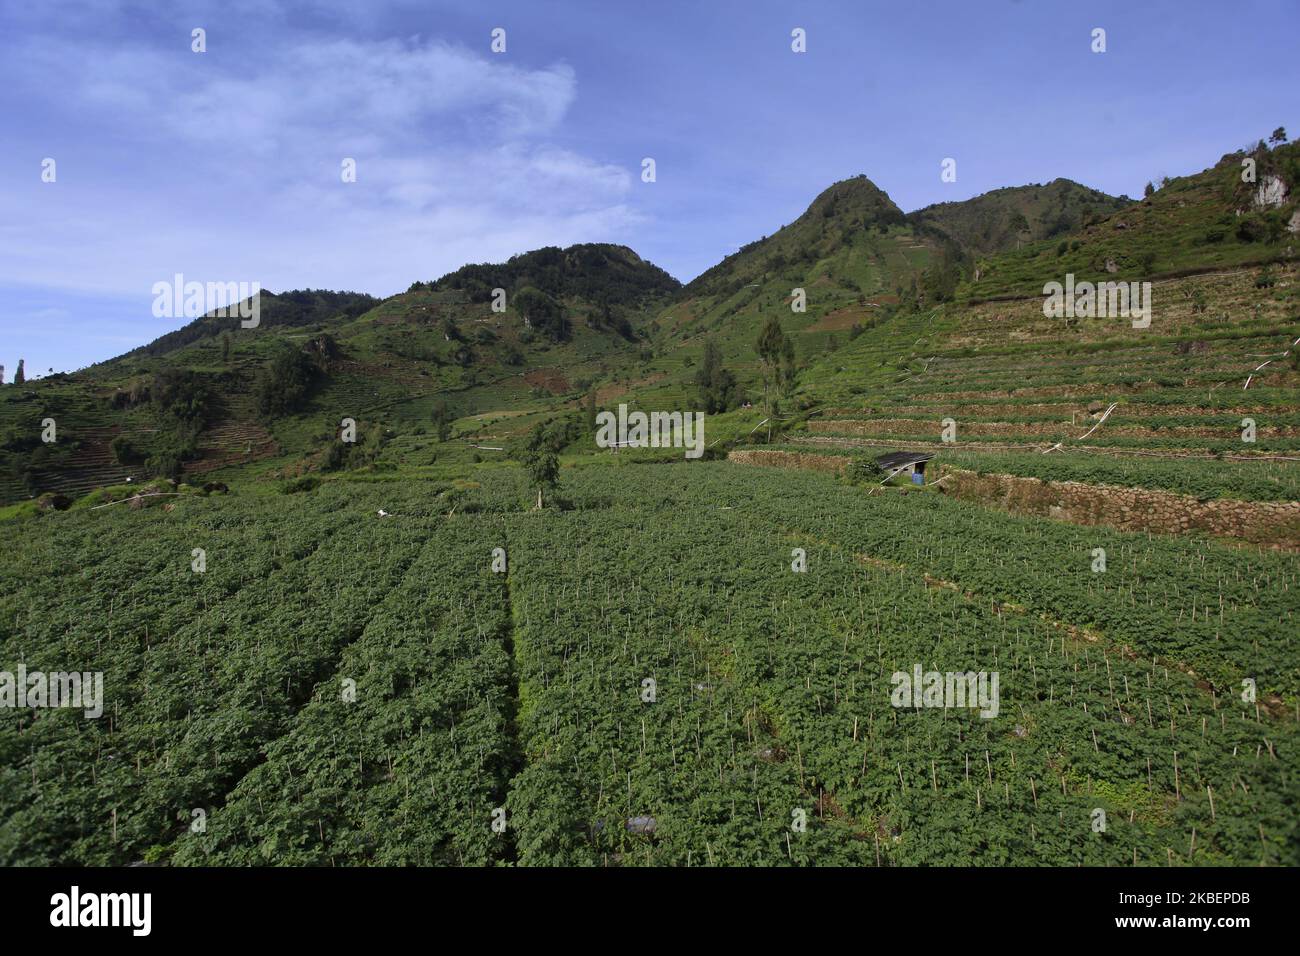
column 1005, row 371
column 80, row 458
column 998, row 388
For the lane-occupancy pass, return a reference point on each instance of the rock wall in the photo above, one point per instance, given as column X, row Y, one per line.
column 1130, row 509
column 916, row 426
column 790, row 459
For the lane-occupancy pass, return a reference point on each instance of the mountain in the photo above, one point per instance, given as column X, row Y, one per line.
column 1214, row 219
column 308, row 308
column 1005, row 218
column 590, row 272
column 850, row 216
column 1211, row 371
column 858, row 260
column 212, row 395
column 850, row 256
column 934, row 312
column 858, row 257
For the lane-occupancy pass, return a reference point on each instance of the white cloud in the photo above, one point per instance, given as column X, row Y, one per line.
column 233, row 173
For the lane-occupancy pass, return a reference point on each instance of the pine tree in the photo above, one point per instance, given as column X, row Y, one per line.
column 441, row 418
column 541, row 463
column 787, row 372
column 19, row 377
column 717, row 385
column 772, row 346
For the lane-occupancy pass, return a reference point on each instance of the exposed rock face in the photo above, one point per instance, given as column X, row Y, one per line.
column 1131, row 509
column 1271, row 193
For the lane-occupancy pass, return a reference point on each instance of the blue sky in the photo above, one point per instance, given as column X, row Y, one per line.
column 225, row 166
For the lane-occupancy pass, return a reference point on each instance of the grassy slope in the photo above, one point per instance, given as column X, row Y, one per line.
column 1013, row 379
column 1198, row 222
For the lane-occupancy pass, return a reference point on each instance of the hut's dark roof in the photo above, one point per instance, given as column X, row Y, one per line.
column 901, row 459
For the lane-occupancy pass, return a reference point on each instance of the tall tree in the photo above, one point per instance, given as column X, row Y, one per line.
column 786, row 373
column 19, row 377
column 772, row 345
column 541, row 463
column 441, row 418
column 717, row 385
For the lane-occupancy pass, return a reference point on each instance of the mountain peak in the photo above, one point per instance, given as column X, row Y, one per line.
column 855, row 196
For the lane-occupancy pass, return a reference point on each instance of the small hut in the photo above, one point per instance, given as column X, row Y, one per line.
column 911, row 462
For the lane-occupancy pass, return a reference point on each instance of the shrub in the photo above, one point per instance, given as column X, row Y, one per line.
column 125, row 452
column 1250, row 229
column 862, row 471
column 305, row 483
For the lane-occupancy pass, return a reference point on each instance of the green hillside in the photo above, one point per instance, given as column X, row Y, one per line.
column 1007, row 218
column 1212, row 383
column 213, row 396
column 906, row 320
column 1206, row 221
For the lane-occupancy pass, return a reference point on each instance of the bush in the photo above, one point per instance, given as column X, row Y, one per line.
column 1250, row 229
column 297, row 485
column 862, row 471
column 125, row 452
column 165, row 463
column 542, row 313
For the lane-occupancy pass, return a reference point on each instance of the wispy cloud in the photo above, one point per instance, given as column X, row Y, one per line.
column 228, row 167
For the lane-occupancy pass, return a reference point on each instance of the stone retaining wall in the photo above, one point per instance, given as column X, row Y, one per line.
column 1130, row 509
column 790, row 459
